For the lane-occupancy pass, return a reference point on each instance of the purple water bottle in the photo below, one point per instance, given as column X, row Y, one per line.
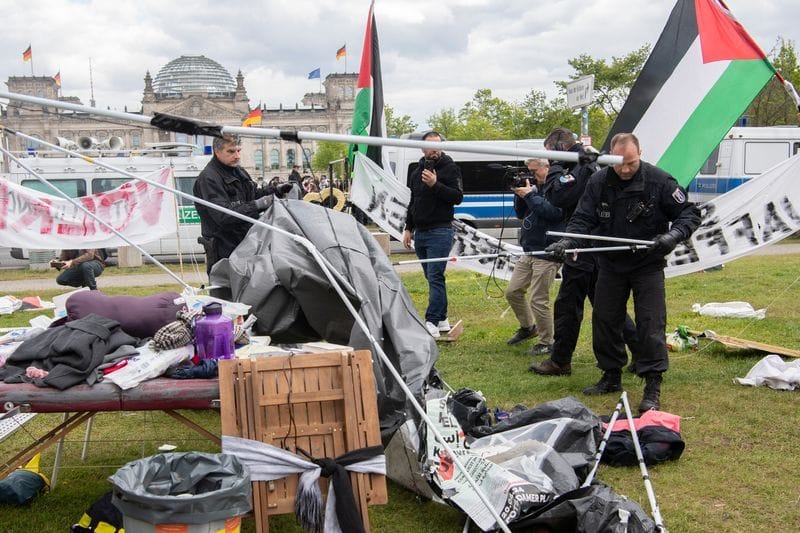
column 214, row 334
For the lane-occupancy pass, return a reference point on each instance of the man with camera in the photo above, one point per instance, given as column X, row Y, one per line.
column 535, row 273
column 225, row 183
column 634, row 200
column 435, row 189
column 79, row 268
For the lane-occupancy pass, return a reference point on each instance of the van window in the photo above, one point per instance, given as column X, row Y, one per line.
column 710, row 166
column 106, row 184
column 478, row 178
column 795, row 148
column 185, row 185
column 759, row 156
column 74, row 188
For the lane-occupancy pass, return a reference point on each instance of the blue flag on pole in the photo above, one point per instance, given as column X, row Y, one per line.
column 314, row 74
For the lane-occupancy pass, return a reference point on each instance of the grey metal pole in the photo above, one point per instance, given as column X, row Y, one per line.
column 598, row 237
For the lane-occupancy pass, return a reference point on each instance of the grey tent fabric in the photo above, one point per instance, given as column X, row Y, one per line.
column 294, row 301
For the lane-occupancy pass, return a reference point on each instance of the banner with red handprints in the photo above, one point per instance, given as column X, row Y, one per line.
column 140, row 211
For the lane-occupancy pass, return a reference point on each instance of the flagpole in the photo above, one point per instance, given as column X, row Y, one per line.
column 208, row 129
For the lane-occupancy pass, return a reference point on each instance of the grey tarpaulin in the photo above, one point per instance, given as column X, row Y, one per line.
column 182, row 488
column 294, row 302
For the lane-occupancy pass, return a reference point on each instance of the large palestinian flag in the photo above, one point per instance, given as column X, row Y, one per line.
column 700, row 77
column 368, row 118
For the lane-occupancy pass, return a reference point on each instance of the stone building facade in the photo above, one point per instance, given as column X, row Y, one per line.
column 190, row 86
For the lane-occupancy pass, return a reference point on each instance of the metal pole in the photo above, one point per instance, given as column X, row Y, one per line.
column 451, row 146
column 457, row 258
column 336, row 281
column 598, row 237
column 640, row 456
column 603, row 443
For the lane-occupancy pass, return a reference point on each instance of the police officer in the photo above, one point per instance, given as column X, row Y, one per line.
column 633, row 200
column 225, row 183
column 579, row 272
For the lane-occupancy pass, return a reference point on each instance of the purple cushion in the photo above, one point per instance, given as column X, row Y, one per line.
column 140, row 316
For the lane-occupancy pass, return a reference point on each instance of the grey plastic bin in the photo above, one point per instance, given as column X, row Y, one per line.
column 205, row 491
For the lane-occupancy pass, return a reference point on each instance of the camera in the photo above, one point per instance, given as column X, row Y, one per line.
column 429, row 164
column 515, row 180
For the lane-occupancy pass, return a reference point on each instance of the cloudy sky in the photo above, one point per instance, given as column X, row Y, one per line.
column 435, row 54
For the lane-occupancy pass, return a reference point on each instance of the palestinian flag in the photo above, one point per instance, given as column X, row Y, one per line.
column 700, row 77
column 368, row 118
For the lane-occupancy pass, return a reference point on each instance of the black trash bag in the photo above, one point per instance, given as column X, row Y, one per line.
column 469, row 408
column 182, row 488
column 100, row 516
column 659, row 444
column 21, row 486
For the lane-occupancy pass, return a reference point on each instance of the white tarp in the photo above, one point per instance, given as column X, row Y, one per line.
column 760, row 212
column 138, row 210
column 376, row 192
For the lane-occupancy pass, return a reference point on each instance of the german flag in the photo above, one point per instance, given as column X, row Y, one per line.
column 253, row 118
column 57, row 79
column 27, row 55
column 341, row 52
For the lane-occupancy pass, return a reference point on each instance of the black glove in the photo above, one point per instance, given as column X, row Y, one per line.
column 559, row 249
column 263, row 203
column 666, row 242
column 282, row 189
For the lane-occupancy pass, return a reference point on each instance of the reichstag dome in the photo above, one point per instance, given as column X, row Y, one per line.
column 195, row 74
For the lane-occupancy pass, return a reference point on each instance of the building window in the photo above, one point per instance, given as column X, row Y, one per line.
column 181, row 138
column 136, row 140
column 259, row 157
column 290, row 158
column 275, row 159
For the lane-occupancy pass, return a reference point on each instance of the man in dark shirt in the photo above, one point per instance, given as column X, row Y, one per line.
column 225, row 183
column 79, row 268
column 435, row 189
column 634, row 200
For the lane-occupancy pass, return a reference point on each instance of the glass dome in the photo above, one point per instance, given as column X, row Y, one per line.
column 193, row 74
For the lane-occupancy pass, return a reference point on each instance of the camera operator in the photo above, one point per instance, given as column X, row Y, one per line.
column 532, row 204
column 435, row 188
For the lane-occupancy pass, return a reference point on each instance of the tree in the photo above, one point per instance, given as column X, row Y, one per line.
column 773, row 106
column 612, row 82
column 445, row 122
column 397, row 126
column 328, row 151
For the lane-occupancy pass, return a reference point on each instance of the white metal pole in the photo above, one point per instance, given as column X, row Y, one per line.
column 598, row 237
column 452, row 146
column 457, row 258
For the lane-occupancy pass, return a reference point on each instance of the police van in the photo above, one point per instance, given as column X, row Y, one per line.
column 742, row 155
column 77, row 177
column 488, row 200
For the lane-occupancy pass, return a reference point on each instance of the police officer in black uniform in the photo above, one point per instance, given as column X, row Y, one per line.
column 633, row 200
column 579, row 272
column 225, row 183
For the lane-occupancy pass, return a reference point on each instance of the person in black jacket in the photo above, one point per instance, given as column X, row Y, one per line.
column 225, row 183
column 435, row 189
column 634, row 200
column 579, row 272
column 532, row 205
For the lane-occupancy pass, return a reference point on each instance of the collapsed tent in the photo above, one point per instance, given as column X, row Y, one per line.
column 294, row 301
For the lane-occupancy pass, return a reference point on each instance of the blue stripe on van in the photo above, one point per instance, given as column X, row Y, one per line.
column 486, row 205
column 715, row 185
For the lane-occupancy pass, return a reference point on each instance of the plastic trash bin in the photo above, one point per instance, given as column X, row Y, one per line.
column 189, row 492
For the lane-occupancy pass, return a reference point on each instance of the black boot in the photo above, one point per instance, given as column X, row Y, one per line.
column 651, row 399
column 611, row 381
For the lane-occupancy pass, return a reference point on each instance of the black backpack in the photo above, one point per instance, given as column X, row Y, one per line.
column 101, row 517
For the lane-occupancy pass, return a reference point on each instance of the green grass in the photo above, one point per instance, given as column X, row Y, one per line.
column 738, row 472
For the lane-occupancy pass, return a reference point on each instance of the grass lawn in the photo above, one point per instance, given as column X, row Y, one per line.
column 738, row 472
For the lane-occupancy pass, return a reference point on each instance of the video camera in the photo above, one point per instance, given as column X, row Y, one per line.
column 513, row 177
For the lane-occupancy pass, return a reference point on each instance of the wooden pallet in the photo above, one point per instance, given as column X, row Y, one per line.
column 744, row 344
column 324, row 404
column 454, row 333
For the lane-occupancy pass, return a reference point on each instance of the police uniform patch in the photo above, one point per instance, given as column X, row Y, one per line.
column 679, row 196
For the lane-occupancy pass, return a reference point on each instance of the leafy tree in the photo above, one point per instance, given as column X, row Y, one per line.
column 445, row 122
column 773, row 106
column 612, row 82
column 397, row 126
column 327, row 151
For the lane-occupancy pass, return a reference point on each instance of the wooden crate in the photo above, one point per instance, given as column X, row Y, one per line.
column 324, row 404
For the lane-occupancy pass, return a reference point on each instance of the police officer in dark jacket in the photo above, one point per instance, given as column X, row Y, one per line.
column 579, row 272
column 634, row 200
column 225, row 183
column 435, row 189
